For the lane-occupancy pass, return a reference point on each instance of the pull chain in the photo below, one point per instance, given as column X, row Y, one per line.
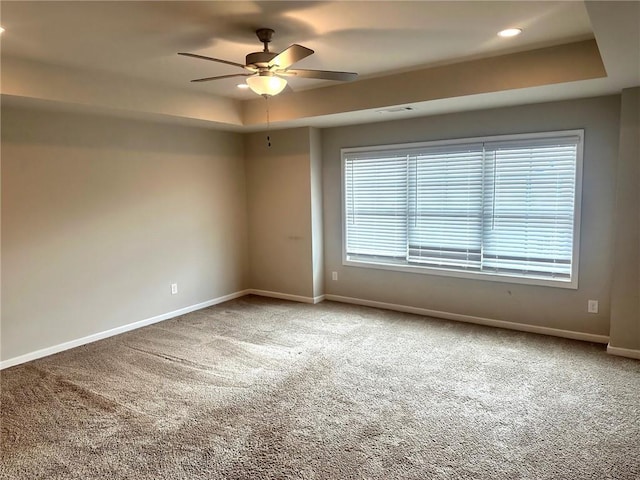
column 266, row 98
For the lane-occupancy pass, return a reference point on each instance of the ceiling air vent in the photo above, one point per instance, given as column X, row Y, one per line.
column 395, row 109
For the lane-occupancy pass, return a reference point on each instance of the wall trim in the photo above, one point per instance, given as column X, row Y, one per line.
column 490, row 322
column 286, row 296
column 589, row 337
column 45, row 352
column 319, row 298
column 623, row 352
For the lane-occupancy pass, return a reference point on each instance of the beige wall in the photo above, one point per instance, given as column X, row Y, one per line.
column 625, row 289
column 535, row 305
column 101, row 215
column 279, row 202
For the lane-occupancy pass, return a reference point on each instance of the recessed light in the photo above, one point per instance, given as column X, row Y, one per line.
column 243, row 86
column 1, row 29
column 510, row 32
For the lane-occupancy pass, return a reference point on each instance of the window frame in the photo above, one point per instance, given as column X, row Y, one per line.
column 480, row 275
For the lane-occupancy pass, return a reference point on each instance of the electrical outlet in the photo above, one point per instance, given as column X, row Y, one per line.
column 334, row 276
column 592, row 306
column 174, row 288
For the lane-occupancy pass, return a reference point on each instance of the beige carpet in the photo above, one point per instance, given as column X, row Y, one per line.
column 267, row 389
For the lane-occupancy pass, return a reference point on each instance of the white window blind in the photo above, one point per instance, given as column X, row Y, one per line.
column 530, row 206
column 445, row 206
column 376, row 206
column 501, row 206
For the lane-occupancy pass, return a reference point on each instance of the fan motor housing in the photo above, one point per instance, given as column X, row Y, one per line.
column 260, row 59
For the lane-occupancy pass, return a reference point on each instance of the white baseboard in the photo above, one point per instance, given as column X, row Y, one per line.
column 490, row 322
column 286, row 296
column 623, row 352
column 115, row 331
column 313, row 300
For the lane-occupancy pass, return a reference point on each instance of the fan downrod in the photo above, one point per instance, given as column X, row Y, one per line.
column 265, row 35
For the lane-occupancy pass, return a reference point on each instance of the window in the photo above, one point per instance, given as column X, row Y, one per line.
column 502, row 208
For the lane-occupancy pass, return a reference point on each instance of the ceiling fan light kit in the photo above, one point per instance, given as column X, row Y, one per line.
column 267, row 68
column 266, row 84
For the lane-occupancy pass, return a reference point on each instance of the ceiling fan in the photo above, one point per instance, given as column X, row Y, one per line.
column 267, row 68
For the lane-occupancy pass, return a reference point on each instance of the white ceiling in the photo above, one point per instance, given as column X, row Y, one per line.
column 140, row 40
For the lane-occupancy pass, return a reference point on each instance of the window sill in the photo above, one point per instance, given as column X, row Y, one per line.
column 481, row 276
